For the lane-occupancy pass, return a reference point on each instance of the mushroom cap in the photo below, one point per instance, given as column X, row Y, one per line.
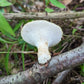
column 41, row 31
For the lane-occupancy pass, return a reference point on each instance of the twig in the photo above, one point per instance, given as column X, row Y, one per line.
column 60, row 77
column 55, row 16
column 73, row 36
column 38, row 73
column 29, row 63
column 82, row 29
column 25, row 52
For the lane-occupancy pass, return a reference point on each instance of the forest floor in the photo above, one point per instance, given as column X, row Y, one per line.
column 11, row 63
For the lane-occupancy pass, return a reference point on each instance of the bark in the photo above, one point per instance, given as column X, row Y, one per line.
column 55, row 16
column 38, row 73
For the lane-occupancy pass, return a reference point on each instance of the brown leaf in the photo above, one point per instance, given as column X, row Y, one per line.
column 65, row 2
column 81, row 1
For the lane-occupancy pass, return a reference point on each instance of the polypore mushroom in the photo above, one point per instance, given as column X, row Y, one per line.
column 42, row 34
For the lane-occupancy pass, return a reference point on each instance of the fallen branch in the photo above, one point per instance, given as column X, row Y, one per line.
column 55, row 16
column 60, row 77
column 38, row 73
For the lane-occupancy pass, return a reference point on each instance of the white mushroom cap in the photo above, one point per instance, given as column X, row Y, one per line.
column 42, row 34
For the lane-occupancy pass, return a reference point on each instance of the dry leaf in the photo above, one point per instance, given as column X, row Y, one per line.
column 65, row 2
column 39, row 4
column 81, row 1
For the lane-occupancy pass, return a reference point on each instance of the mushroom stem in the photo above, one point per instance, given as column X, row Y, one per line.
column 43, row 53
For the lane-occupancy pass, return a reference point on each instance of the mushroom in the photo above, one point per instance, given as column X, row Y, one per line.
column 42, row 34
